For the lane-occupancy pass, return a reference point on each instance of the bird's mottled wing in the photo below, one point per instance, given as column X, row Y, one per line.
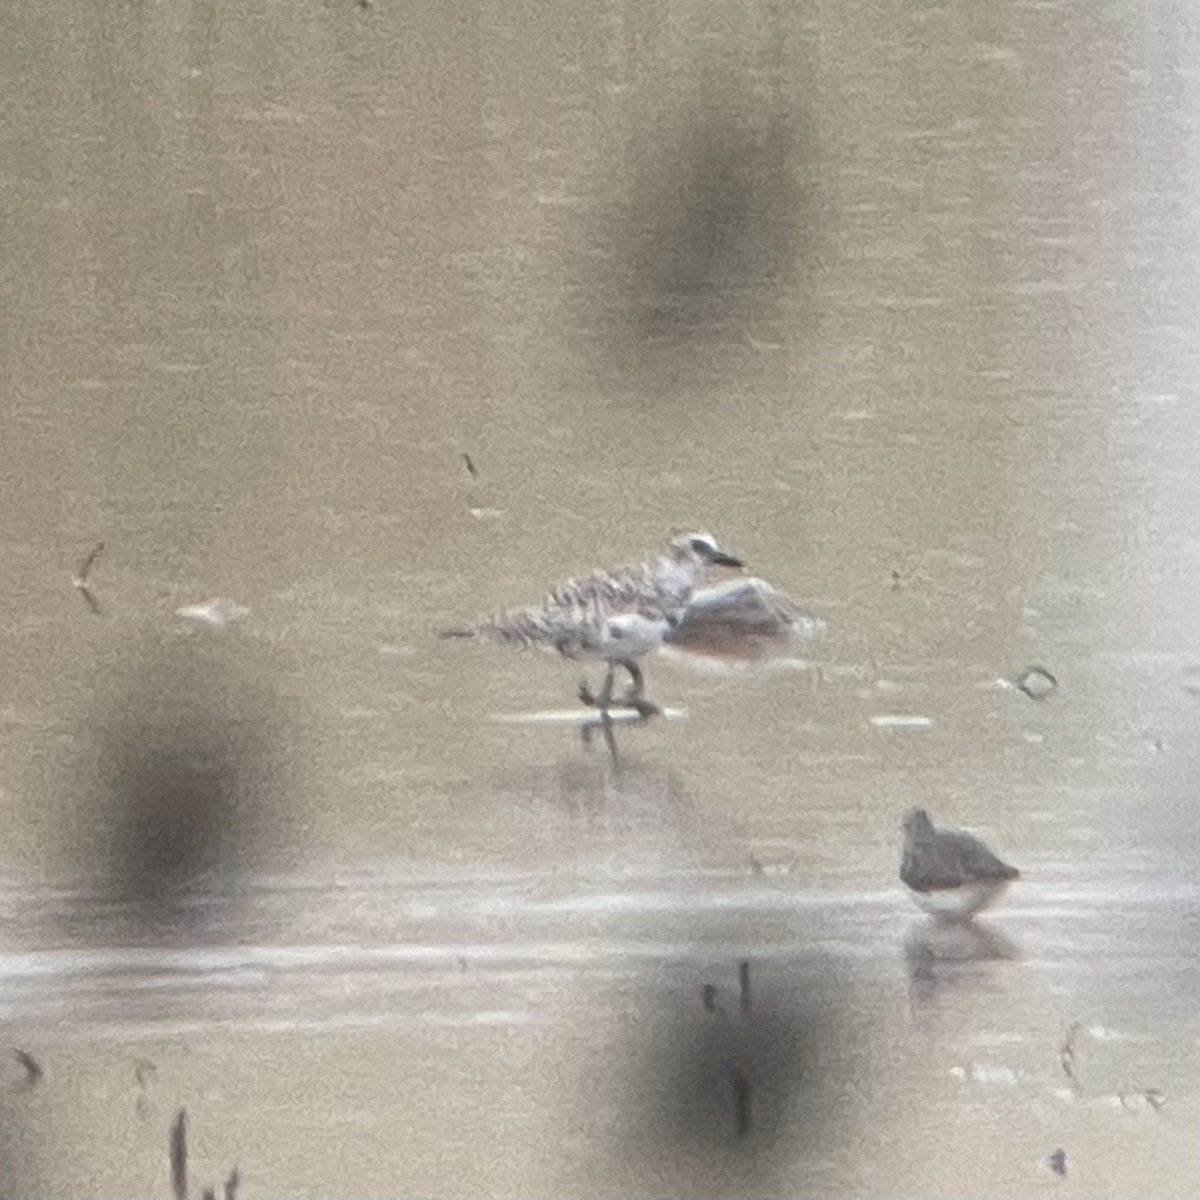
column 974, row 859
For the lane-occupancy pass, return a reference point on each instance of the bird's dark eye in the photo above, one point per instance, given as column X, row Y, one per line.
column 700, row 546
column 616, row 631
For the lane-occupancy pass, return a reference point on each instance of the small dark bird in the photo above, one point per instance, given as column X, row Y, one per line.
column 950, row 874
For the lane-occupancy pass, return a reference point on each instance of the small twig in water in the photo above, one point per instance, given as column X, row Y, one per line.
column 33, row 1068
column 179, row 1155
column 81, row 577
column 1066, row 1054
column 744, row 982
column 474, row 474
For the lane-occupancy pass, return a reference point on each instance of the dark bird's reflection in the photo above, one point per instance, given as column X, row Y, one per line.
column 941, row 957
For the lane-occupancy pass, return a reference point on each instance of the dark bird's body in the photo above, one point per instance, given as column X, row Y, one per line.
column 950, row 873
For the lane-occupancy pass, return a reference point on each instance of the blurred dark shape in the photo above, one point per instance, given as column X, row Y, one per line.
column 184, row 770
column 743, row 1099
column 33, row 1069
column 1058, row 1162
column 701, row 243
column 941, row 956
column 729, row 1097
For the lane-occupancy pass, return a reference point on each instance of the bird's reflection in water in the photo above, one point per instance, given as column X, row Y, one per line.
column 639, row 808
column 940, row 956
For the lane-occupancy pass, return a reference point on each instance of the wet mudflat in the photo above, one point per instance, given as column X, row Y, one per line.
column 901, row 306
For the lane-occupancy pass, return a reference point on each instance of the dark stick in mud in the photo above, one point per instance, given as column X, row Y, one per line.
column 744, row 982
column 178, row 1145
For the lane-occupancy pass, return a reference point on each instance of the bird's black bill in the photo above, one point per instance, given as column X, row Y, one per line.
column 721, row 559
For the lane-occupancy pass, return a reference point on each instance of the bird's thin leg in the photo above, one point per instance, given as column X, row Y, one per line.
column 636, row 679
column 634, row 698
column 610, row 738
column 602, row 701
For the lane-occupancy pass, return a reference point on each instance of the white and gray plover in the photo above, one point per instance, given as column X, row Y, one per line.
column 950, row 873
column 616, row 616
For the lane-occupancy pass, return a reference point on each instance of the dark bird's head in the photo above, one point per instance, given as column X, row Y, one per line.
column 917, row 823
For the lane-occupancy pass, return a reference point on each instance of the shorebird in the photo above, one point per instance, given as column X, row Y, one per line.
column 616, row 616
column 950, row 874
column 741, row 617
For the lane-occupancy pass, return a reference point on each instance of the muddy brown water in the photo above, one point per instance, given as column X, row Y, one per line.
column 902, row 304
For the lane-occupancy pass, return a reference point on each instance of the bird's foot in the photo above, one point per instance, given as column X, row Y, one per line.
column 643, row 707
column 633, row 699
